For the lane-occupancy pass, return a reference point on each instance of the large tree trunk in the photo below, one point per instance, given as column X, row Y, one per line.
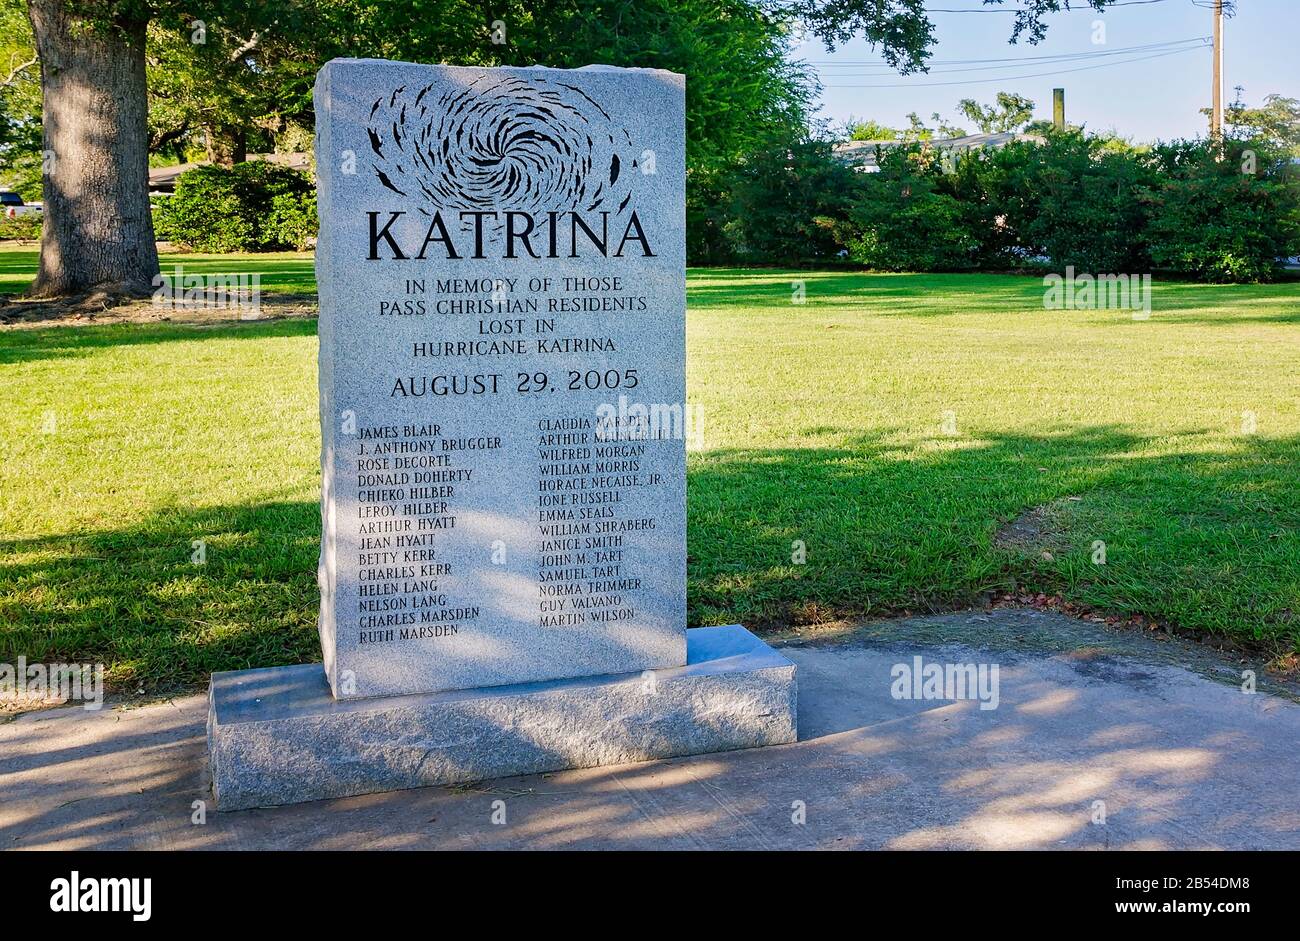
column 97, row 229
column 226, row 145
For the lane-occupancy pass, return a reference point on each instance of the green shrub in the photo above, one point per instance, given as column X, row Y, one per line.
column 1081, row 204
column 991, row 187
column 250, row 207
column 904, row 220
column 1223, row 216
column 293, row 219
column 1088, row 201
column 782, row 198
column 24, row 228
column 707, row 211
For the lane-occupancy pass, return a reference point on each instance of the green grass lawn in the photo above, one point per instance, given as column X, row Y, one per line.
column 287, row 272
column 823, row 423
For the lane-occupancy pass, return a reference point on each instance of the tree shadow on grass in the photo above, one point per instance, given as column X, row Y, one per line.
column 1205, row 537
column 165, row 602
column 1208, row 539
column 941, row 295
column 48, row 343
column 920, row 294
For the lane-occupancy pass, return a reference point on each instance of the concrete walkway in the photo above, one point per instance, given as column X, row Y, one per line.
column 1180, row 760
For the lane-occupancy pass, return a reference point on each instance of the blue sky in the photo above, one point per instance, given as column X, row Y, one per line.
column 1142, row 98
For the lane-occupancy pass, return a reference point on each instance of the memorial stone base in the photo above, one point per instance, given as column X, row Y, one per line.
column 277, row 736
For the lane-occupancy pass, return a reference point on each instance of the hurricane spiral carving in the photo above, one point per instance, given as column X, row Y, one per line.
column 532, row 145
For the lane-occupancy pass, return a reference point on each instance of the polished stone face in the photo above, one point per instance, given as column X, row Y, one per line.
column 502, row 374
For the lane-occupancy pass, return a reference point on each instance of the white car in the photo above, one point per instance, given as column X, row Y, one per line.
column 12, row 205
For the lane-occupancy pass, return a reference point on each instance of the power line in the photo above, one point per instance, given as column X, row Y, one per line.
column 1058, row 55
column 1109, row 6
column 1013, row 78
column 1024, row 62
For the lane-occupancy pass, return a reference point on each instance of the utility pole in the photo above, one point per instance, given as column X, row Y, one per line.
column 1216, row 103
column 1058, row 108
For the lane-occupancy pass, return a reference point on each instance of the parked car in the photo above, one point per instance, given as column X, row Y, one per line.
column 12, row 205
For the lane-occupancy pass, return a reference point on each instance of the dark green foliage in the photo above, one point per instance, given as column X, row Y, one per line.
column 906, row 219
column 992, row 188
column 25, row 228
column 741, row 86
column 782, row 198
column 1196, row 209
column 1223, row 216
column 1081, row 205
column 253, row 207
column 293, row 219
column 707, row 209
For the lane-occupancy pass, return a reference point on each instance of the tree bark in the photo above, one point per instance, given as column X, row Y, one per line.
column 168, row 138
column 98, row 232
column 226, row 145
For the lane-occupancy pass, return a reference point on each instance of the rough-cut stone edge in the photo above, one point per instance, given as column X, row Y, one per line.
column 277, row 736
column 324, row 154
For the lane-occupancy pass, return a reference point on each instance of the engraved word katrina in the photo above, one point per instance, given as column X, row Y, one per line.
column 538, row 148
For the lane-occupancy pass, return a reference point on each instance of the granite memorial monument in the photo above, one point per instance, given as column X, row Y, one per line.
column 501, row 265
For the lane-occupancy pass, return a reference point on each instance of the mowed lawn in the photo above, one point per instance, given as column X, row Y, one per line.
column 285, row 272
column 890, row 425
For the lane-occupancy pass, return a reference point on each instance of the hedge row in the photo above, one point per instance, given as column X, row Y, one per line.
column 24, row 228
column 1219, row 213
column 254, row 206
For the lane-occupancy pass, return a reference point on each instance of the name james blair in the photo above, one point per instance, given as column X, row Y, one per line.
column 580, row 578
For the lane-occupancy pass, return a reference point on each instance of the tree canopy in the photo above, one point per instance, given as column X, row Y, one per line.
column 1010, row 112
column 172, row 82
